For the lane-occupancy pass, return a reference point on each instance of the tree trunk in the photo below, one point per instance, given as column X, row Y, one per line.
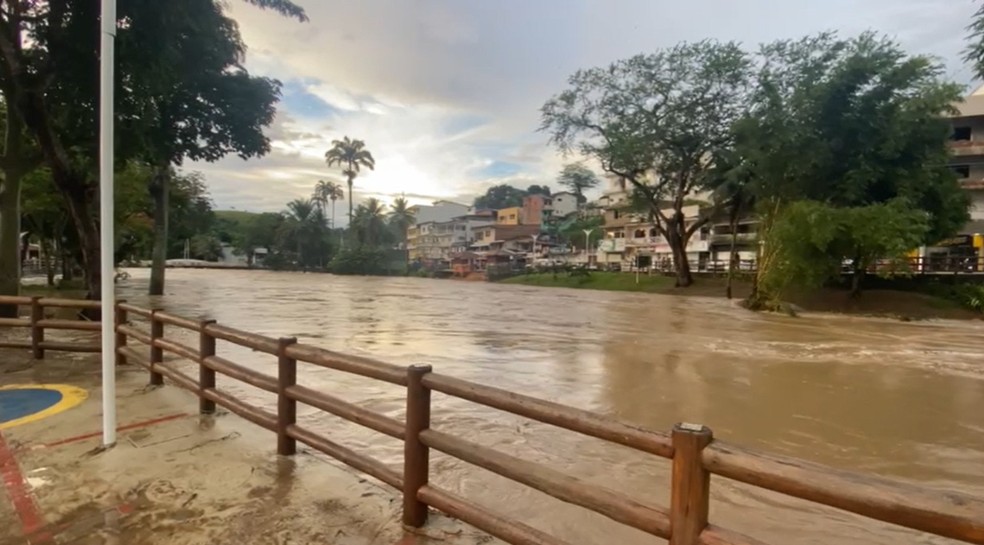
column 10, row 214
column 857, row 278
column 734, row 250
column 159, row 189
column 350, row 183
column 10, row 248
column 49, row 261
column 678, row 246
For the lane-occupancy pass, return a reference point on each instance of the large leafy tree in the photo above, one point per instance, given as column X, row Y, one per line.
column 577, row 178
column 500, row 196
column 868, row 117
column 369, row 223
column 657, row 121
column 193, row 100
column 351, row 156
column 48, row 53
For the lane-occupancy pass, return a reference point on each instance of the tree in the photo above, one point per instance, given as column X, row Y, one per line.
column 327, row 191
column 303, row 230
column 401, row 218
column 351, row 155
column 500, row 196
column 192, row 99
column 577, row 178
column 869, row 117
column 369, row 223
column 50, row 81
column 536, row 189
column 657, row 121
column 974, row 53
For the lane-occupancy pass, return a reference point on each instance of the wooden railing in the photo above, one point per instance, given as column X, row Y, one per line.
column 694, row 452
column 37, row 323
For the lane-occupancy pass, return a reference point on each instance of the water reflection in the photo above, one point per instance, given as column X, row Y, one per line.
column 899, row 399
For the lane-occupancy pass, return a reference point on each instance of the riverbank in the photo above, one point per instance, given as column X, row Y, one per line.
column 897, row 304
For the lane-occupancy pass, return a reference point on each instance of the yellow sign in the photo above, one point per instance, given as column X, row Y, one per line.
column 25, row 403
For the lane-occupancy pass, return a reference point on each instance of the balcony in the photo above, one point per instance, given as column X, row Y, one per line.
column 972, row 183
column 725, row 238
column 966, row 148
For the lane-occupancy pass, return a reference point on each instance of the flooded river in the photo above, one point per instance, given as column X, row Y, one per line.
column 903, row 400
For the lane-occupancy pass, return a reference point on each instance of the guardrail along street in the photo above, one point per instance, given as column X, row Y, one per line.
column 692, row 449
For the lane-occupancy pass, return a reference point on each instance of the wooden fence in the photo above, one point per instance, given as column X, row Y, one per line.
column 694, row 452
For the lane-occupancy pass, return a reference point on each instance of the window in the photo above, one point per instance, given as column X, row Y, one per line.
column 653, row 233
column 615, row 214
column 512, row 216
column 619, row 234
column 639, row 233
column 962, row 171
column 961, row 133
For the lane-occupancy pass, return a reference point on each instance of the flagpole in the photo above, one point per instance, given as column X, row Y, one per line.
column 106, row 240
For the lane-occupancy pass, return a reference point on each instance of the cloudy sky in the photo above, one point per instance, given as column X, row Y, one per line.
column 446, row 93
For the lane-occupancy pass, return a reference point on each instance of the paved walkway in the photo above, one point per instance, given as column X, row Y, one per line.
column 177, row 478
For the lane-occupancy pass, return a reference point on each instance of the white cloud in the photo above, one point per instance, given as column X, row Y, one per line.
column 443, row 91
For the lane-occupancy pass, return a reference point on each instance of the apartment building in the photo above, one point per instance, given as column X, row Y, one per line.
column 967, row 145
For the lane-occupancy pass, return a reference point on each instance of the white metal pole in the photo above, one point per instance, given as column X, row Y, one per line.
column 106, row 240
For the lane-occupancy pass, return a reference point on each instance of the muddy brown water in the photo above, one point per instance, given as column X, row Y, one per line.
column 902, row 400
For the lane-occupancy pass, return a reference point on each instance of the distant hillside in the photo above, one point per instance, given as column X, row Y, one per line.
column 238, row 216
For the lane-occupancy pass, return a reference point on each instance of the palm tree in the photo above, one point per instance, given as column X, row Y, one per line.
column 303, row 222
column 327, row 191
column 401, row 218
column 369, row 222
column 351, row 155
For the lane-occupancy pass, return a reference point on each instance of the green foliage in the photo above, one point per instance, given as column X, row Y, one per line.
column 537, row 189
column 351, row 155
column 500, row 196
column 401, row 217
column 359, row 260
column 577, row 178
column 369, row 224
column 573, row 232
column 656, row 121
column 814, row 240
column 206, row 247
column 974, row 53
column 969, row 296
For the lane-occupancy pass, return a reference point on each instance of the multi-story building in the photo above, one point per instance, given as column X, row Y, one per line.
column 536, row 209
column 438, row 211
column 509, row 216
column 563, row 204
column 967, row 145
column 435, row 242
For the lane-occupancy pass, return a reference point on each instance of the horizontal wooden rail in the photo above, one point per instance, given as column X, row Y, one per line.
column 14, row 300
column 15, row 322
column 712, row 535
column 134, row 333
column 134, row 309
column 16, row 344
column 69, row 303
column 177, row 349
column 356, row 365
column 596, row 498
column 69, row 347
column 945, row 514
column 507, row 530
column 243, row 338
column 255, row 415
column 133, row 355
column 585, row 422
column 176, row 377
column 185, row 323
column 241, row 373
column 348, row 411
column 347, row 456
column 75, row 325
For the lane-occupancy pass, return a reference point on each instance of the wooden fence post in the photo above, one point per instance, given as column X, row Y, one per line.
column 416, row 455
column 286, row 407
column 119, row 319
column 690, row 496
column 206, row 376
column 156, row 354
column 37, row 332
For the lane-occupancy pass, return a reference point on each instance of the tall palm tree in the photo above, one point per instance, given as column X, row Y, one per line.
column 369, row 222
column 325, row 191
column 401, row 218
column 351, row 155
column 301, row 224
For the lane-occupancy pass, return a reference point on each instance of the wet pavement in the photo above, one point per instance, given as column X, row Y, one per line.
column 178, row 478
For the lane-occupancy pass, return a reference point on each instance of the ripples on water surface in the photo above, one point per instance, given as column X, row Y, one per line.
column 904, row 400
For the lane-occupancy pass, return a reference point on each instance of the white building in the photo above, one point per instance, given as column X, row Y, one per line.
column 438, row 211
column 563, row 204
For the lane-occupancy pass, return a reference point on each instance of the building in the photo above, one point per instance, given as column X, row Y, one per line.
column 438, row 211
column 514, row 238
column 434, row 243
column 563, row 204
column 509, row 216
column 536, row 209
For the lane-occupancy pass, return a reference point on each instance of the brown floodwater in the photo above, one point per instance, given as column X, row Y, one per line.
column 902, row 400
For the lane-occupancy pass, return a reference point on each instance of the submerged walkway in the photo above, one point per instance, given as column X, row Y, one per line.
column 175, row 477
